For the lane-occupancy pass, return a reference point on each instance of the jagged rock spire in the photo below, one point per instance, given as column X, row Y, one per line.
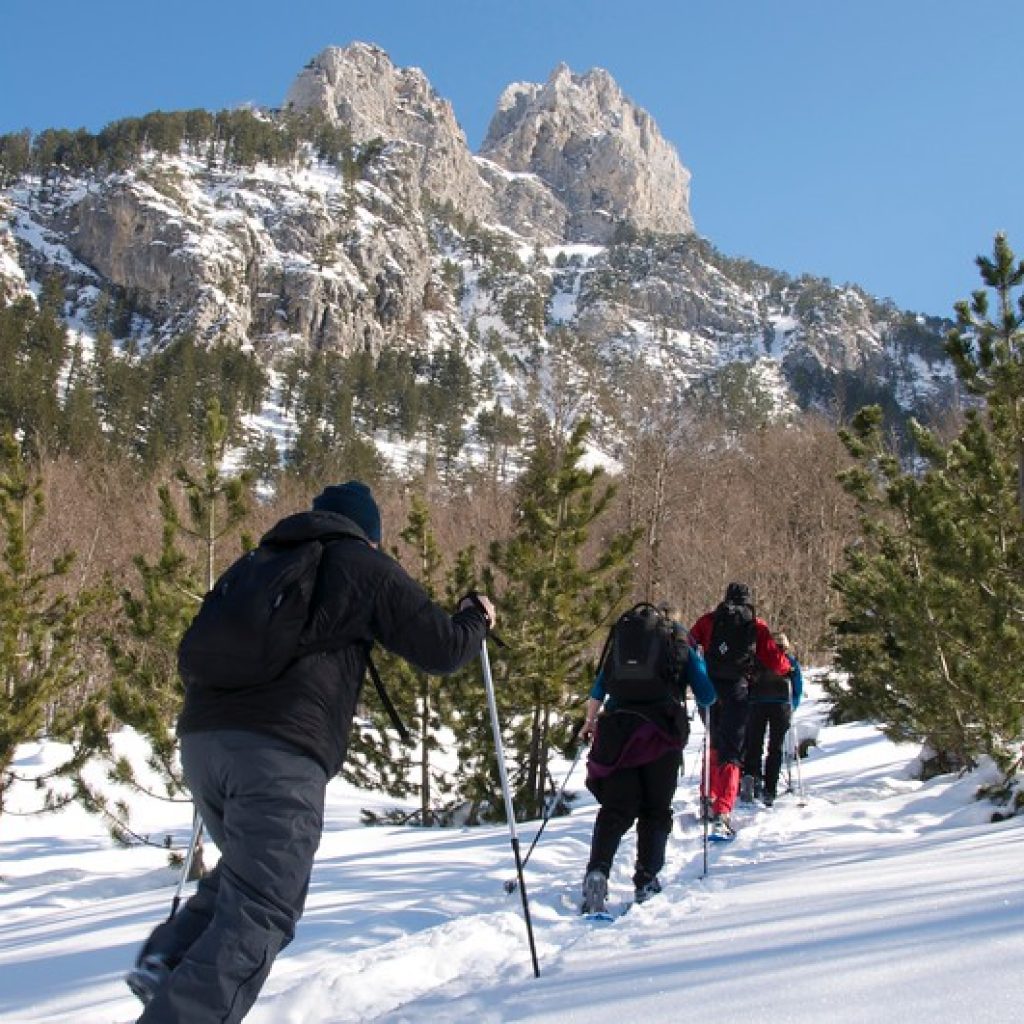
column 601, row 153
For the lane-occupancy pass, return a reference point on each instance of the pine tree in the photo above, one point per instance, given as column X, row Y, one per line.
column 476, row 791
column 932, row 632
column 558, row 584
column 43, row 689
column 989, row 352
column 33, row 349
column 147, row 692
column 420, row 537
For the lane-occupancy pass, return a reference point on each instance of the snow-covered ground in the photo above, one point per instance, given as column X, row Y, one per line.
column 877, row 898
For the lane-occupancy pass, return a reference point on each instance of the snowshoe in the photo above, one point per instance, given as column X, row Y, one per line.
column 721, row 830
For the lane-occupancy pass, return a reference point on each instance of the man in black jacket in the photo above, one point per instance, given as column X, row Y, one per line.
column 258, row 759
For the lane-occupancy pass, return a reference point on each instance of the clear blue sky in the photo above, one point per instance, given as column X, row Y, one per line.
column 873, row 141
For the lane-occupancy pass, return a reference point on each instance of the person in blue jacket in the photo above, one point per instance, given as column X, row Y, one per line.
column 633, row 766
column 773, row 699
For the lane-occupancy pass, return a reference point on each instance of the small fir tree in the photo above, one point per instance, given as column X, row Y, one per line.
column 43, row 683
column 428, row 706
column 560, row 582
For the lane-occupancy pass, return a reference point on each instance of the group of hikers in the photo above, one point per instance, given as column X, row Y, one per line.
column 746, row 682
column 272, row 667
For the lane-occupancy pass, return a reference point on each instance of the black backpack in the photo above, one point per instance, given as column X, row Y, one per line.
column 247, row 630
column 730, row 654
column 249, row 626
column 642, row 658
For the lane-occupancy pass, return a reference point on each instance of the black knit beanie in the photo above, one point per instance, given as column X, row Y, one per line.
column 355, row 501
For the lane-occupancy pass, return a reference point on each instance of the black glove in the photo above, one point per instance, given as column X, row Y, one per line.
column 474, row 599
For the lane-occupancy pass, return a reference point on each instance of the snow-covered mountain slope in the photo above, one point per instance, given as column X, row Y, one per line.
column 403, row 238
column 876, row 897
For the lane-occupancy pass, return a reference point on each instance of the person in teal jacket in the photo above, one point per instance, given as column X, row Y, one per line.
column 632, row 769
column 773, row 699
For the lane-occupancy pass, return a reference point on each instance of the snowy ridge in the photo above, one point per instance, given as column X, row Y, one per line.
column 882, row 898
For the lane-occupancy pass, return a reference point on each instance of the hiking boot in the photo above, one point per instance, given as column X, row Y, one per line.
column 646, row 888
column 595, row 892
column 747, row 784
column 721, row 827
column 769, row 798
column 147, row 976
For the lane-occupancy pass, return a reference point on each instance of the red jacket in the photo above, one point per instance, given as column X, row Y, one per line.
column 766, row 650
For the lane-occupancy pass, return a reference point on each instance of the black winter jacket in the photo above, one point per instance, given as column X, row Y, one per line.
column 362, row 596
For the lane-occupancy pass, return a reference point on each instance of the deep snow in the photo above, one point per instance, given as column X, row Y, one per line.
column 881, row 899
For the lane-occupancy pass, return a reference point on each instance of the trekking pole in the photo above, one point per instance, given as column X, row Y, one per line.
column 485, row 663
column 801, row 802
column 706, row 787
column 801, row 799
column 511, row 884
column 186, row 866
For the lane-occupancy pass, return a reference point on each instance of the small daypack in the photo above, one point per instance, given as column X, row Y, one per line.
column 247, row 630
column 730, row 654
column 642, row 659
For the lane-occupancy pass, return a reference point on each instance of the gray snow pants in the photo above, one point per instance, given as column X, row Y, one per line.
column 262, row 802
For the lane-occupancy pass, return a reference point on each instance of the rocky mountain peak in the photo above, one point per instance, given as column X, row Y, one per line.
column 602, row 154
column 360, row 87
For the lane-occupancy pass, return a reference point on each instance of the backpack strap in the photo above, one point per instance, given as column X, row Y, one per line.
column 604, row 650
column 389, row 706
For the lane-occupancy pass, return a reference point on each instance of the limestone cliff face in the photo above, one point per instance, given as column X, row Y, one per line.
column 602, row 155
column 360, row 87
column 270, row 257
column 524, row 203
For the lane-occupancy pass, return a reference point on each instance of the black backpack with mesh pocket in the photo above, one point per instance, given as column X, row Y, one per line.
column 642, row 658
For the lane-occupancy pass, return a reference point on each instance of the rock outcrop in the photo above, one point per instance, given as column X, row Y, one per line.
column 569, row 160
column 601, row 154
column 359, row 87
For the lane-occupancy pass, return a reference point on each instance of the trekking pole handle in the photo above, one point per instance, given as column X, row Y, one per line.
column 474, row 598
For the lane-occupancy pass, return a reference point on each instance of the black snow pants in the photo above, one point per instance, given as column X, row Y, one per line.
column 643, row 794
column 262, row 802
column 773, row 718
